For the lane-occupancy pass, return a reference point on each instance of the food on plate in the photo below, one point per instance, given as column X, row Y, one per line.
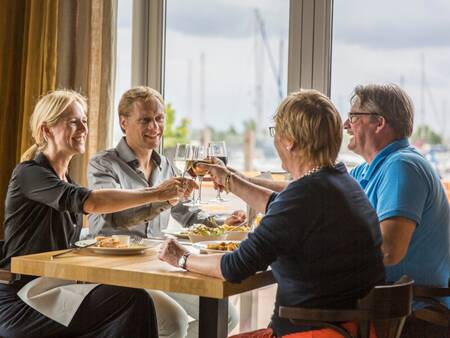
column 224, row 246
column 183, row 233
column 241, row 228
column 110, row 242
column 203, row 230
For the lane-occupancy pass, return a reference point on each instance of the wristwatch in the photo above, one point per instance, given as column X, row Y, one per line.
column 183, row 259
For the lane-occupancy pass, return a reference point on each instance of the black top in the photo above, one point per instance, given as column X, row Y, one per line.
column 321, row 238
column 42, row 212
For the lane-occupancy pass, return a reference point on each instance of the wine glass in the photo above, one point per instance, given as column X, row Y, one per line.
column 219, row 150
column 182, row 153
column 200, row 155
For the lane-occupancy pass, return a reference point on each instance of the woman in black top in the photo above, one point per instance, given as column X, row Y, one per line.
column 43, row 212
column 319, row 234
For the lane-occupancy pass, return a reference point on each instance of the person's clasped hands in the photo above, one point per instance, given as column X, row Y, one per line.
column 218, row 172
column 176, row 187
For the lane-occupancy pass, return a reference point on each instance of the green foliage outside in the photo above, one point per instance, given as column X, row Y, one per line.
column 250, row 124
column 181, row 133
column 174, row 134
column 427, row 135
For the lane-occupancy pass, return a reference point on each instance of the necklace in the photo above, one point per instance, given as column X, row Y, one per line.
column 314, row 170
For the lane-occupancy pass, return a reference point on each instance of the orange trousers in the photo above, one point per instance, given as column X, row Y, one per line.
column 351, row 327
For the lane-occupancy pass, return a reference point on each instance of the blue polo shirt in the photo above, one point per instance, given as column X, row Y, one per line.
column 400, row 182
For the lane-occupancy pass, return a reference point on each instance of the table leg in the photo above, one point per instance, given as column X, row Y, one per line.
column 213, row 318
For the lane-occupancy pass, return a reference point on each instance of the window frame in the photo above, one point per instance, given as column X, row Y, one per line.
column 309, row 46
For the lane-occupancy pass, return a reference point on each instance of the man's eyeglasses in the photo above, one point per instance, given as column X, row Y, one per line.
column 353, row 117
column 272, row 131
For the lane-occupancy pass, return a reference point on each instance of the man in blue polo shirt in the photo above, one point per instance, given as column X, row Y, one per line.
column 403, row 188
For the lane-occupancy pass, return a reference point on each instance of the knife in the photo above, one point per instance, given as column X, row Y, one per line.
column 70, row 250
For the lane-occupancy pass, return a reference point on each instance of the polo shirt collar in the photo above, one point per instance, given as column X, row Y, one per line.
column 124, row 151
column 383, row 154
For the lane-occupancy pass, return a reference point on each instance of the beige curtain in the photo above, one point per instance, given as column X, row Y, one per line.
column 86, row 63
column 28, row 43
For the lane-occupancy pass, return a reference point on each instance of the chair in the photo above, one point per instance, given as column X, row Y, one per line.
column 6, row 276
column 384, row 309
column 435, row 311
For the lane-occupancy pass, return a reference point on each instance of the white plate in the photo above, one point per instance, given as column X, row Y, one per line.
column 203, row 246
column 134, row 249
column 83, row 243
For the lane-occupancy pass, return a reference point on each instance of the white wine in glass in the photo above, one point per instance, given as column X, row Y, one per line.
column 182, row 154
column 182, row 160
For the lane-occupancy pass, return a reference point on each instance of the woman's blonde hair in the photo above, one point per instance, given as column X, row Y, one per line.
column 310, row 119
column 48, row 110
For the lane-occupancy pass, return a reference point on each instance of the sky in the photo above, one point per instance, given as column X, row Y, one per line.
column 398, row 41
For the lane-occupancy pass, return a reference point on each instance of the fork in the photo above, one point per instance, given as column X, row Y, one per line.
column 71, row 249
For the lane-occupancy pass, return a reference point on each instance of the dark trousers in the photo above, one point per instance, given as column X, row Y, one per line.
column 107, row 311
column 416, row 328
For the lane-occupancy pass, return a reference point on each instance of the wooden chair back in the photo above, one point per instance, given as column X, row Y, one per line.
column 388, row 306
column 435, row 311
column 384, row 309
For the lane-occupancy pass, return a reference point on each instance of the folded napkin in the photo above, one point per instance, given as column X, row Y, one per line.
column 56, row 299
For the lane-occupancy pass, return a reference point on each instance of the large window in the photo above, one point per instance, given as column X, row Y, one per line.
column 404, row 42
column 225, row 73
column 123, row 59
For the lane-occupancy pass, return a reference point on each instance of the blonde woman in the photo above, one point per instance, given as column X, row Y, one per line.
column 44, row 209
column 319, row 235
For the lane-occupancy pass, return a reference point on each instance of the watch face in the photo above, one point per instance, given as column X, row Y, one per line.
column 182, row 261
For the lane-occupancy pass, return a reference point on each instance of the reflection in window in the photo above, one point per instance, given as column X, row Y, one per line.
column 225, row 73
column 409, row 45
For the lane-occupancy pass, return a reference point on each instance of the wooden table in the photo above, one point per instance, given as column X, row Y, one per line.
column 148, row 272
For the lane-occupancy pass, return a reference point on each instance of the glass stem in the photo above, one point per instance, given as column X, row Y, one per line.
column 194, row 196
column 200, row 179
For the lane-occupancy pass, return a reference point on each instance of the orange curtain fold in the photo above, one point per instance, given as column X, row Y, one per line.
column 28, row 41
column 39, row 62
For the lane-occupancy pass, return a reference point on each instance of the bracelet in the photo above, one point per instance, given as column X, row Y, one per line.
column 228, row 183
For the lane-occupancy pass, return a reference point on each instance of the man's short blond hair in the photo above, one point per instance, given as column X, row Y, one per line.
column 140, row 93
column 310, row 119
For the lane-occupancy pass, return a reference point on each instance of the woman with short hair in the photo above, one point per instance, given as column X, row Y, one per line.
column 319, row 235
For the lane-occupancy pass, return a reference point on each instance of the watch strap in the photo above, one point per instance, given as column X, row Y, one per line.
column 183, row 260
